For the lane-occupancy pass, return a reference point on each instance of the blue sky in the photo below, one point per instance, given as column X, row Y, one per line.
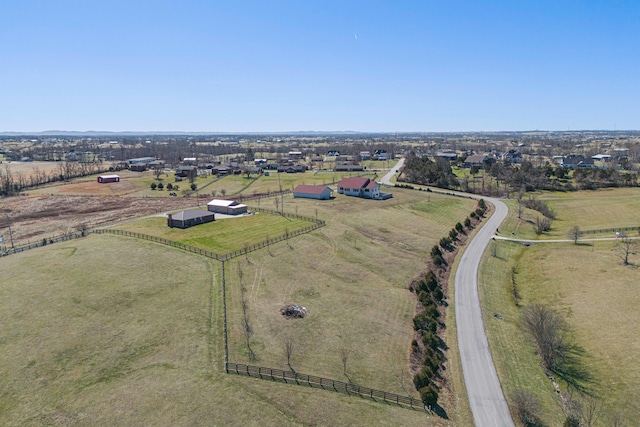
column 250, row 66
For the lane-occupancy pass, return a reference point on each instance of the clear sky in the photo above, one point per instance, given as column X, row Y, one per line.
column 250, row 66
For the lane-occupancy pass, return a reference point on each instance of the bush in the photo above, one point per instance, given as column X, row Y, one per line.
column 423, row 378
column 160, row 186
column 453, row 234
column 153, row 185
column 430, row 340
column 439, row 261
column 169, row 186
column 482, row 205
column 459, row 228
column 473, row 215
column 526, row 407
column 479, row 213
column 467, row 223
column 422, row 322
column 436, row 251
column 429, row 395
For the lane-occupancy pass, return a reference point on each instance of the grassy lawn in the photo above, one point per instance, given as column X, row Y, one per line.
column 586, row 282
column 223, row 235
column 352, row 277
column 91, row 337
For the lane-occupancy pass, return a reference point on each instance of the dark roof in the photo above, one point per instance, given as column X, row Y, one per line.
column 310, row 189
column 476, row 158
column 192, row 214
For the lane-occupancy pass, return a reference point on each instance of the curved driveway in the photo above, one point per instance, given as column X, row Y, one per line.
column 486, row 399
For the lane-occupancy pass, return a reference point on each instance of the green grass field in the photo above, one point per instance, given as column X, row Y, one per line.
column 223, row 235
column 586, row 282
column 113, row 330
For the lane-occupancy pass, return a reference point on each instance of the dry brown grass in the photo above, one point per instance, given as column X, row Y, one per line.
column 108, row 330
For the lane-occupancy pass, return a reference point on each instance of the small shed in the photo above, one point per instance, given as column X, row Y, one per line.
column 102, row 179
column 186, row 219
column 321, row 192
column 228, row 207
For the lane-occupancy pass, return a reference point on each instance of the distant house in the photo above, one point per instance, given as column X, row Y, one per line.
column 365, row 155
column 228, row 207
column 477, row 160
column 512, row 156
column 576, row 161
column 380, row 155
column 348, row 167
column 187, row 172
column 295, row 155
column 138, row 160
column 333, row 153
column 292, row 168
column 102, row 179
column 138, row 167
column 321, row 192
column 361, row 187
column 186, row 219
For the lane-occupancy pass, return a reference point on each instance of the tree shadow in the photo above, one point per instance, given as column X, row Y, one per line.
column 570, row 369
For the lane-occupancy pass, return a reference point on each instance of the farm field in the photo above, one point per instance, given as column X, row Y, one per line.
column 223, row 235
column 240, row 184
column 587, row 283
column 137, row 341
column 352, row 275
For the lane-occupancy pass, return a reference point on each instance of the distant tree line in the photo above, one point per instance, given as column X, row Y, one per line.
column 503, row 177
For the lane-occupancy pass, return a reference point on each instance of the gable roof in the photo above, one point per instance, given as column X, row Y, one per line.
column 371, row 184
column 476, row 158
column 191, row 214
column 220, row 202
column 354, row 182
column 311, row 189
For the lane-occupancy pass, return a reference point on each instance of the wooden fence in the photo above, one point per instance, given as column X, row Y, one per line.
column 610, row 230
column 43, row 242
column 290, row 377
column 223, row 257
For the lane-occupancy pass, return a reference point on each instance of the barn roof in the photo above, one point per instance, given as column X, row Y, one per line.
column 109, row 176
column 310, row 189
column 354, row 182
column 191, row 214
column 220, row 202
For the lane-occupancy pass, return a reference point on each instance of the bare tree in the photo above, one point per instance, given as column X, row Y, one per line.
column 575, row 233
column 549, row 331
column 527, row 407
column 247, row 330
column 344, row 356
column 223, row 191
column 592, row 410
column 288, row 350
column 542, row 224
column 625, row 246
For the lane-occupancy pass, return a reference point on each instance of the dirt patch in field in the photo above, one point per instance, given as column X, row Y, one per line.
column 34, row 218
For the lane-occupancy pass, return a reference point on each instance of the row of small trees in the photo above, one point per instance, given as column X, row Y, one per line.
column 431, row 296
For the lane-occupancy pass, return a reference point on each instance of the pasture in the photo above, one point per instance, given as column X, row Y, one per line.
column 109, row 330
column 101, row 337
column 223, row 235
column 586, row 282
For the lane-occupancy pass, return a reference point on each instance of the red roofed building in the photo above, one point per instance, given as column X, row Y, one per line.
column 359, row 187
column 321, row 192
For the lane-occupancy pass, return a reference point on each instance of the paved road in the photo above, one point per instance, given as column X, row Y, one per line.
column 387, row 178
column 487, row 402
column 486, row 399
